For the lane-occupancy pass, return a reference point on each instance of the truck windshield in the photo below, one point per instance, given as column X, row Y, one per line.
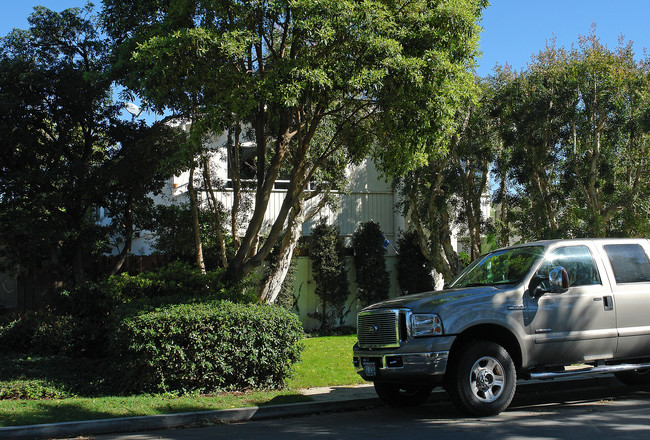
column 506, row 266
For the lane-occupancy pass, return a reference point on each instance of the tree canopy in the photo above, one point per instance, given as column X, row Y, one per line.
column 577, row 129
column 386, row 77
column 65, row 151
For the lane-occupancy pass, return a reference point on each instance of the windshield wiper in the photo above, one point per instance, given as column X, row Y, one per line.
column 475, row 285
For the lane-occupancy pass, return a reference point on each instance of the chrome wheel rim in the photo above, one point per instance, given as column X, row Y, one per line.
column 487, row 379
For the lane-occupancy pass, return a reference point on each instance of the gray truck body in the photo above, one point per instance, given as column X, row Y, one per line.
column 600, row 318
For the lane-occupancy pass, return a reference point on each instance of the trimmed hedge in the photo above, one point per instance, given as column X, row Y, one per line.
column 177, row 279
column 207, row 347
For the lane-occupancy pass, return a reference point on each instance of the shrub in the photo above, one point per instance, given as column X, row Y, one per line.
column 207, row 347
column 328, row 255
column 178, row 279
column 46, row 332
column 83, row 318
column 373, row 280
column 413, row 269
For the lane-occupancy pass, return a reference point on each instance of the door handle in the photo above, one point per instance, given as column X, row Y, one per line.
column 608, row 303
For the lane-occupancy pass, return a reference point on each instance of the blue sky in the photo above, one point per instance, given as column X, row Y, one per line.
column 513, row 29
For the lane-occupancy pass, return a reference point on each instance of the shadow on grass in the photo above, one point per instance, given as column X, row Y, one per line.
column 54, row 376
column 34, row 413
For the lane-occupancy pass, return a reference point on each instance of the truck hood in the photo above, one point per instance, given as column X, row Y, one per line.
column 430, row 302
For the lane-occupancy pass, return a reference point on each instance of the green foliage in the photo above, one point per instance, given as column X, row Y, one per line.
column 358, row 78
column 328, row 255
column 46, row 332
column 174, row 235
column 373, row 281
column 575, row 132
column 207, row 347
column 413, row 269
column 83, row 319
column 66, row 151
column 179, row 280
column 30, row 390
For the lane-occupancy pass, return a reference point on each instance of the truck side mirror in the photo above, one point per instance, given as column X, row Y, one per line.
column 558, row 280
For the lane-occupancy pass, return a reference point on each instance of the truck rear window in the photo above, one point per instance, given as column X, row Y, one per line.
column 629, row 262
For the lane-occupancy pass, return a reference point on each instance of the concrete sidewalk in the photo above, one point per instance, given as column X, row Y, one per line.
column 324, row 399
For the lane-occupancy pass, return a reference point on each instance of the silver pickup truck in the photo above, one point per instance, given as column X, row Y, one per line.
column 540, row 310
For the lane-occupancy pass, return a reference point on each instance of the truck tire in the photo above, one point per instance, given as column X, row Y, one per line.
column 400, row 396
column 482, row 379
column 634, row 377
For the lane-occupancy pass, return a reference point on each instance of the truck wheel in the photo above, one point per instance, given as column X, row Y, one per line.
column 634, row 377
column 482, row 379
column 398, row 395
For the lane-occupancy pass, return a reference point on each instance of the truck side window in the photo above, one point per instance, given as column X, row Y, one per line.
column 629, row 262
column 577, row 261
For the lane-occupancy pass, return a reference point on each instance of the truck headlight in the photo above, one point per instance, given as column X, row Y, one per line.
column 426, row 325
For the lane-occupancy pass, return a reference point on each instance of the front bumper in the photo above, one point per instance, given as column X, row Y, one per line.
column 399, row 366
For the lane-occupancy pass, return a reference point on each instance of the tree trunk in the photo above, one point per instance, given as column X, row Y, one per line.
column 451, row 255
column 504, row 227
column 235, row 163
column 272, row 286
column 128, row 239
column 207, row 179
column 194, row 206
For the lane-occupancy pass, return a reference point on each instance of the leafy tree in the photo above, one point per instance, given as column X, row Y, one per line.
column 65, row 152
column 606, row 143
column 534, row 100
column 328, row 255
column 373, row 281
column 447, row 193
column 576, row 126
column 413, row 269
column 427, row 199
column 379, row 75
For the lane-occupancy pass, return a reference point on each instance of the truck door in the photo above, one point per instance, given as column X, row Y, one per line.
column 579, row 324
column 630, row 272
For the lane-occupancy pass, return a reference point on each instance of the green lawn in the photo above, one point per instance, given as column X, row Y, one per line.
column 326, row 361
column 48, row 389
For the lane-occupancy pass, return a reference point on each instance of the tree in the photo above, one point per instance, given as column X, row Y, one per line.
column 575, row 123
column 534, row 103
column 387, row 76
column 413, row 269
column 373, row 281
column 447, row 193
column 606, row 143
column 65, row 152
column 328, row 255
column 471, row 156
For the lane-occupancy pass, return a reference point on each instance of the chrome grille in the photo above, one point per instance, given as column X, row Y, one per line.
column 378, row 328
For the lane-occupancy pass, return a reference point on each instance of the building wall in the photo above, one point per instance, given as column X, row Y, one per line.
column 308, row 302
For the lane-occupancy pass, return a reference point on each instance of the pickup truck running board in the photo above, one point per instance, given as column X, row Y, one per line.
column 589, row 370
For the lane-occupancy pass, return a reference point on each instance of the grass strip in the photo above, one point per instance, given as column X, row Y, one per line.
column 55, row 391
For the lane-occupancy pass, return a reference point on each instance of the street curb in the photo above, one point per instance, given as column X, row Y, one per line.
column 202, row 418
column 167, row 421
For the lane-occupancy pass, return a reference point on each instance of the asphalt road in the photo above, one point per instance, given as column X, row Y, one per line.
column 603, row 409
